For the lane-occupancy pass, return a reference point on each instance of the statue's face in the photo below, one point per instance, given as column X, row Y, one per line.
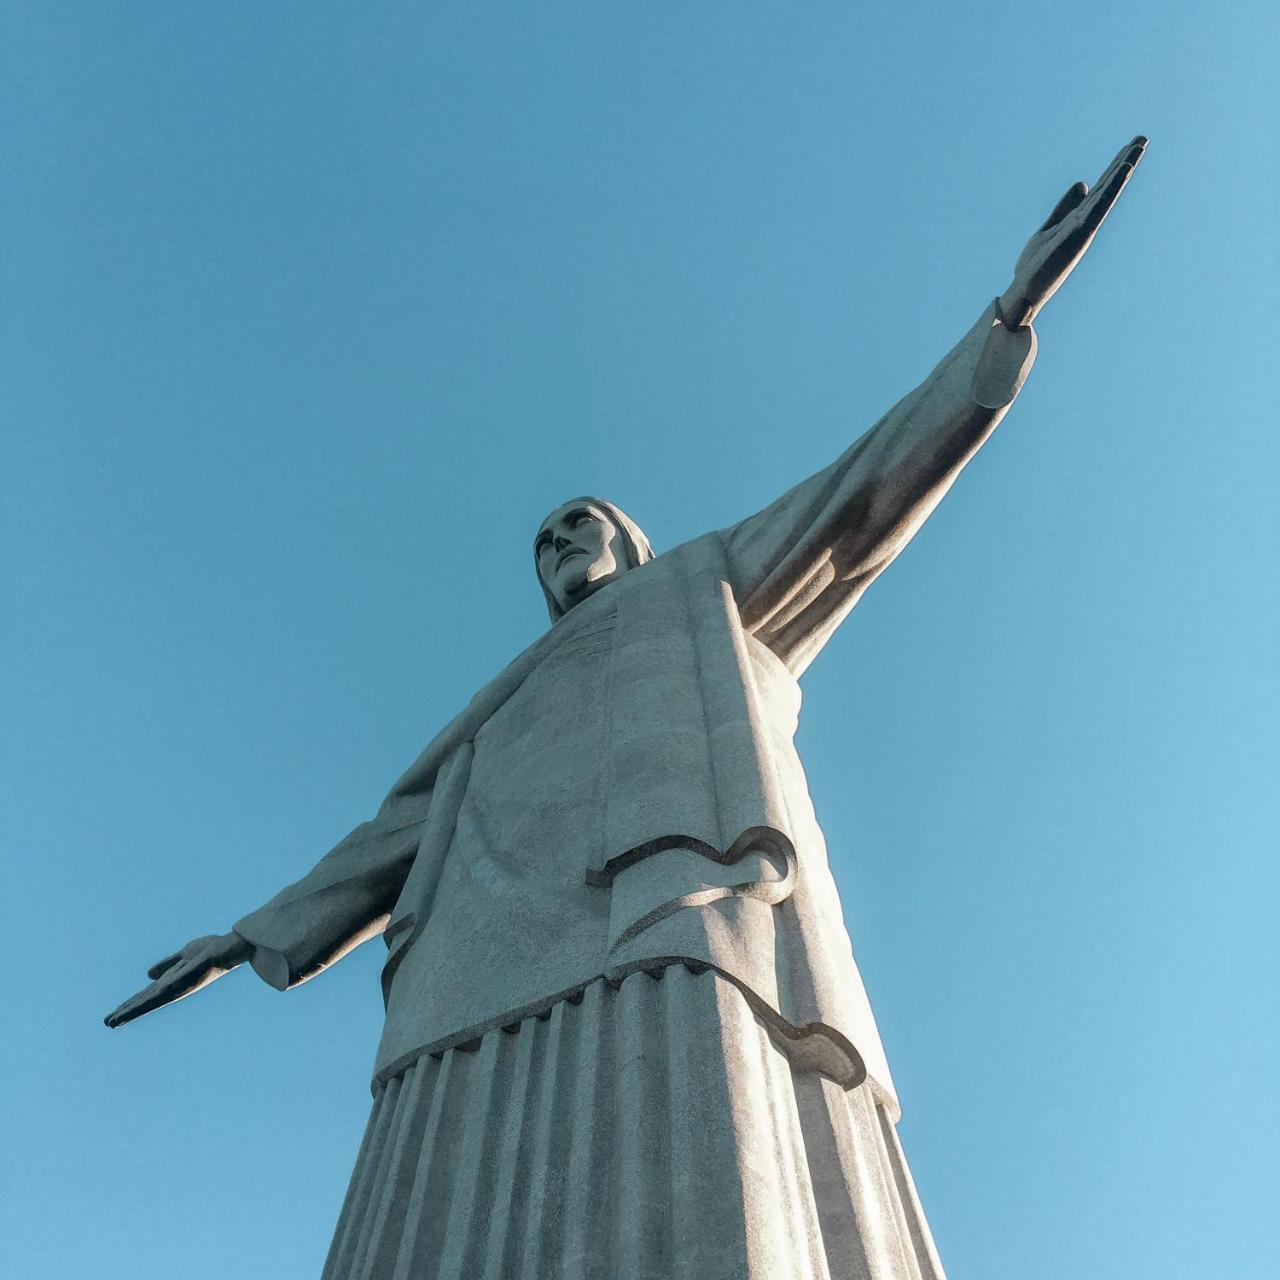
column 579, row 549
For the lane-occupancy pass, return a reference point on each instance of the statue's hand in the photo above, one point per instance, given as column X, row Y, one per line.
column 199, row 963
column 1055, row 249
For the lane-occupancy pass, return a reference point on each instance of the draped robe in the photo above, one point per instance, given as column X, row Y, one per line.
column 626, row 794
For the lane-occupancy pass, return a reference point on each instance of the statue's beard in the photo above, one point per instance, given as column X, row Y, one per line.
column 586, row 580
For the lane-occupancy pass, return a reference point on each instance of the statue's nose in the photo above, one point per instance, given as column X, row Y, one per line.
column 560, row 542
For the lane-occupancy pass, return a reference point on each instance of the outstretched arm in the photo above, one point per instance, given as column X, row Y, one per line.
column 343, row 901
column 349, row 895
column 800, row 565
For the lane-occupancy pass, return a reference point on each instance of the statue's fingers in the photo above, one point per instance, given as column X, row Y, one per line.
column 184, row 979
column 1129, row 154
column 161, row 965
column 1075, row 194
column 176, row 983
column 146, row 1002
column 135, row 1006
column 1104, row 197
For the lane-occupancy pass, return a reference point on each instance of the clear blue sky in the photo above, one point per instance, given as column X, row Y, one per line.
column 312, row 310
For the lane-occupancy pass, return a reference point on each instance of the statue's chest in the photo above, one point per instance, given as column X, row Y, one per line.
column 538, row 758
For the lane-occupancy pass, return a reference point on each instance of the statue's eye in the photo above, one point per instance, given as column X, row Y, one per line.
column 580, row 518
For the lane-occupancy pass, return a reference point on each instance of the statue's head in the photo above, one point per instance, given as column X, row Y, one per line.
column 584, row 545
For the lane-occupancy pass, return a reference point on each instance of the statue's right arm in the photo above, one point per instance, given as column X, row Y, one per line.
column 343, row 901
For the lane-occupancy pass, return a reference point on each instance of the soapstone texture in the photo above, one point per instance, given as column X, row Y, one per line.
column 624, row 807
column 647, row 1132
column 675, row 821
column 625, row 1033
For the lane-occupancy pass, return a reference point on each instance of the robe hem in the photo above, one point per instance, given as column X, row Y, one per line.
column 811, row 1046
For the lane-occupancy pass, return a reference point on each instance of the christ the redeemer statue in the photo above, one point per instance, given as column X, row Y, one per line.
column 625, row 1035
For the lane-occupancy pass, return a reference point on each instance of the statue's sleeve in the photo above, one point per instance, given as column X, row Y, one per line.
column 800, row 565
column 345, row 899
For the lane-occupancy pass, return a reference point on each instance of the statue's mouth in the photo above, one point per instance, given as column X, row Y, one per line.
column 564, row 555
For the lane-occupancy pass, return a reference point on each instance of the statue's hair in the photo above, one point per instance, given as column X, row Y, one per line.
column 634, row 541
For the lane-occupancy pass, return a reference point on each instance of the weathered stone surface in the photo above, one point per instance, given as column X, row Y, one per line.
column 621, row 812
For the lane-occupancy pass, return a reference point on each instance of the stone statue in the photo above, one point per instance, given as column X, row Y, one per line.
column 625, row 1034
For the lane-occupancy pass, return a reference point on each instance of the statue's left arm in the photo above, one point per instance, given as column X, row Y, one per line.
column 800, row 565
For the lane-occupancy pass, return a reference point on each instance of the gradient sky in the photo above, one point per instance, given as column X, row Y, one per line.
column 312, row 310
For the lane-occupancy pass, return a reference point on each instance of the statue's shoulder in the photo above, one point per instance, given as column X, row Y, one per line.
column 705, row 553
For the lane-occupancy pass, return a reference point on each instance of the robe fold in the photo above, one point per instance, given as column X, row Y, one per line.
column 626, row 795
